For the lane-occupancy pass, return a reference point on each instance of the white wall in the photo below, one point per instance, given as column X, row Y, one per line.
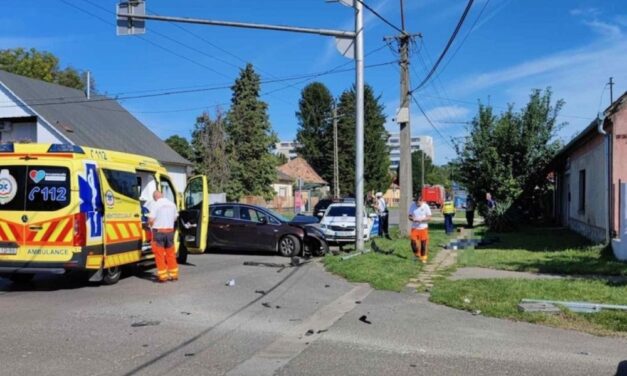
column 9, row 107
column 179, row 176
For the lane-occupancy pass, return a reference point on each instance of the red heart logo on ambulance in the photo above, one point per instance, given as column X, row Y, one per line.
column 37, row 176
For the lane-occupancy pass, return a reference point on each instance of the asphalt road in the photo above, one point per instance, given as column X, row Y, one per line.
column 200, row 326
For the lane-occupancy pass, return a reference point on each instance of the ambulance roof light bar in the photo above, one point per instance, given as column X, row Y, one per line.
column 7, row 148
column 65, row 148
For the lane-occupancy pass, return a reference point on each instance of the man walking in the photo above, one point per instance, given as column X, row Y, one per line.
column 382, row 212
column 162, row 220
column 470, row 211
column 420, row 215
column 448, row 209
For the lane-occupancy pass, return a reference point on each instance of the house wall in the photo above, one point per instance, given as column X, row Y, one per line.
column 283, row 189
column 592, row 221
column 9, row 107
column 179, row 177
column 619, row 161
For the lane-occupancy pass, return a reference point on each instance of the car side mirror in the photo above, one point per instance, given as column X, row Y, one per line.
column 263, row 221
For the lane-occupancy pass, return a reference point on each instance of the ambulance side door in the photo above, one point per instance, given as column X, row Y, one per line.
column 194, row 218
column 122, row 214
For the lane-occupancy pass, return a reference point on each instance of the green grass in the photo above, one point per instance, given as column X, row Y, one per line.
column 499, row 298
column 544, row 250
column 382, row 271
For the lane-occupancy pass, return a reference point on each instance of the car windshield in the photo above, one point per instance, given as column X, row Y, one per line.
column 277, row 215
column 342, row 211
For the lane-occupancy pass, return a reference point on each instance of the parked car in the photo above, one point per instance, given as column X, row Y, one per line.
column 338, row 223
column 321, row 207
column 249, row 227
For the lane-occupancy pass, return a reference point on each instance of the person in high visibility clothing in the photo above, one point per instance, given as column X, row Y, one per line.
column 420, row 215
column 448, row 209
column 162, row 220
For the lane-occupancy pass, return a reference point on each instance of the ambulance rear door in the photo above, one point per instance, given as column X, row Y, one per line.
column 194, row 218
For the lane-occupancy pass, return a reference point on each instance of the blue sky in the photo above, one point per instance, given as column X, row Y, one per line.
column 572, row 46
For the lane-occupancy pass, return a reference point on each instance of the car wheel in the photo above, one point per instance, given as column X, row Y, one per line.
column 112, row 275
column 182, row 254
column 319, row 249
column 22, row 277
column 289, row 246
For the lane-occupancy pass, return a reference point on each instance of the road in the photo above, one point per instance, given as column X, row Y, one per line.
column 200, row 326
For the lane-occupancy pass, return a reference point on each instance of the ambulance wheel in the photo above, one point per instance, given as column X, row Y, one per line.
column 21, row 277
column 182, row 256
column 289, row 246
column 112, row 275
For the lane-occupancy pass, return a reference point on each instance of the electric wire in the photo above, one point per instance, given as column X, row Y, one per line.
column 379, row 16
column 432, row 124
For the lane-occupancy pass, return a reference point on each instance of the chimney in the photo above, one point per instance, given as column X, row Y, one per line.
column 88, row 85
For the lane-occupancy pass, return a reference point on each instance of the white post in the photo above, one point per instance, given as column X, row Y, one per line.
column 619, row 246
column 359, row 128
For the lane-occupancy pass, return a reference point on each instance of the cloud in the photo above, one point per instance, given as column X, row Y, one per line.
column 591, row 11
column 605, row 29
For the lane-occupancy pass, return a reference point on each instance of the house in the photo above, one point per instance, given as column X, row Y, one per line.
column 309, row 186
column 588, row 174
column 38, row 111
column 284, row 185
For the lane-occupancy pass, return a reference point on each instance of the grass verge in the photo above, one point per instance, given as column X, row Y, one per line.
column 499, row 298
column 382, row 271
column 544, row 250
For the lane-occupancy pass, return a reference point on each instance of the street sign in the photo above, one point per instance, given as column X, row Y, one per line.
column 127, row 25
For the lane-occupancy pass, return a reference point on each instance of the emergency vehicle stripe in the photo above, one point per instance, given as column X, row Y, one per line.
column 2, row 235
column 70, row 234
column 44, row 230
column 8, row 232
column 135, row 229
column 66, row 230
column 117, row 232
column 122, row 230
column 58, row 229
column 111, row 232
column 52, row 226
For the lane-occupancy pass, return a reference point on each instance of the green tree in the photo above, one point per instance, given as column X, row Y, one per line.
column 416, row 168
column 250, row 139
column 507, row 155
column 376, row 154
column 181, row 146
column 209, row 151
column 315, row 132
column 41, row 65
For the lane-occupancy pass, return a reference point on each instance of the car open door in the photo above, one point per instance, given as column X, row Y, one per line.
column 194, row 218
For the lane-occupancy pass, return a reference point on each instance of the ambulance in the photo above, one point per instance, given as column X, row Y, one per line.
column 66, row 208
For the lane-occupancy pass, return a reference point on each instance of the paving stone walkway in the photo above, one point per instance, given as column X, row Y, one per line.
column 443, row 260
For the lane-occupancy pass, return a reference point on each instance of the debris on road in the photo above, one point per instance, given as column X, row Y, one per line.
column 186, row 313
column 538, row 307
column 268, row 264
column 230, row 283
column 262, row 292
column 476, row 312
column 364, row 319
column 309, row 332
column 189, row 354
column 266, row 304
column 296, row 319
column 357, row 301
column 295, row 261
column 349, row 256
column 327, row 286
column 580, row 307
column 140, row 324
column 322, row 331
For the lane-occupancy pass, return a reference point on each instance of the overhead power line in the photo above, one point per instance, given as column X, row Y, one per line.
column 379, row 16
column 433, row 125
column 446, row 48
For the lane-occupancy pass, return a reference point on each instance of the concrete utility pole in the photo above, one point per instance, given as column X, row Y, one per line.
column 336, row 165
column 131, row 17
column 402, row 117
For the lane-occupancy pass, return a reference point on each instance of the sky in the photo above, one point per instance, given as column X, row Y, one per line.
column 505, row 49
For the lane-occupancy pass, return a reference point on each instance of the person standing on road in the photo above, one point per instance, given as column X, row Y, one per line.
column 420, row 215
column 162, row 220
column 470, row 211
column 448, row 209
column 382, row 212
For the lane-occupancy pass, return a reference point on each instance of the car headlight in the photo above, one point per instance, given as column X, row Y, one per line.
column 324, row 227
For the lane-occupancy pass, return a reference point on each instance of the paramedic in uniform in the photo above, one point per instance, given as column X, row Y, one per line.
column 162, row 219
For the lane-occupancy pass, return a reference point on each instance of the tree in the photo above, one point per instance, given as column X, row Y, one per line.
column 376, row 153
column 209, row 145
column 416, row 168
column 507, row 155
column 41, row 65
column 250, row 139
column 181, row 146
column 315, row 132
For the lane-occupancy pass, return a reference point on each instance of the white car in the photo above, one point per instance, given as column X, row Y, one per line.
column 338, row 223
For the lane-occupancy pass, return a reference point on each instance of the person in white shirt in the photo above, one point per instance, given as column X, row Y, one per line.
column 420, row 215
column 162, row 220
column 382, row 211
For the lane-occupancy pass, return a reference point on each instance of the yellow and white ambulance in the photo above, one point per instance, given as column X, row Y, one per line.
column 70, row 208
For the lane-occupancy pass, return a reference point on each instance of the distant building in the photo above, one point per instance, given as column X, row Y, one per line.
column 287, row 148
column 424, row 143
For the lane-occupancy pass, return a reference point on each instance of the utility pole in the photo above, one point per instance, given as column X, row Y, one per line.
column 359, row 128
column 422, row 170
column 611, row 83
column 402, row 117
column 336, row 167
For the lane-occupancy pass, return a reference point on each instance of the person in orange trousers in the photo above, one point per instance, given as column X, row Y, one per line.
column 162, row 220
column 420, row 215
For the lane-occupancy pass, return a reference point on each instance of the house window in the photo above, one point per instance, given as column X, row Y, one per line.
column 282, row 192
column 582, row 191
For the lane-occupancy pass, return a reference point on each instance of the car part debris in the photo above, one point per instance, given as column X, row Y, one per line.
column 349, row 256
column 580, row 307
column 364, row 319
column 189, row 354
column 538, row 307
column 322, row 331
column 357, row 301
column 309, row 332
column 327, row 286
column 140, row 324
column 186, row 313
column 260, row 292
column 230, row 283
column 295, row 261
column 268, row 264
column 266, row 304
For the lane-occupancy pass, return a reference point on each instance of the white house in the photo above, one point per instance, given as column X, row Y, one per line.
column 42, row 112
